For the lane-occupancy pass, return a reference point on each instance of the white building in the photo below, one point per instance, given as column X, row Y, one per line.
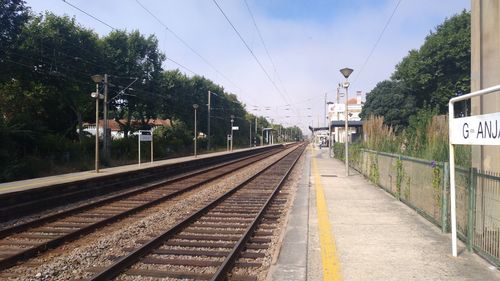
column 336, row 117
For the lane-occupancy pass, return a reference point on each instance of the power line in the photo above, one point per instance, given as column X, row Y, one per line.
column 186, row 44
column 88, row 14
column 376, row 42
column 182, row 66
column 250, row 50
column 265, row 47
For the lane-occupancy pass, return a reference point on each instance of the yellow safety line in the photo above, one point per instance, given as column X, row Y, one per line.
column 331, row 263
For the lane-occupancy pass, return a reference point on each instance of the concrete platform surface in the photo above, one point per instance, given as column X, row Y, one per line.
column 375, row 236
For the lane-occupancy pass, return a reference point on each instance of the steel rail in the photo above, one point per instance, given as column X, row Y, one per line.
column 221, row 273
column 133, row 257
column 43, row 246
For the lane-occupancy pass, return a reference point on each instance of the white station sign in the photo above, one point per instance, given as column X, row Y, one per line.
column 479, row 129
column 236, row 128
column 145, row 135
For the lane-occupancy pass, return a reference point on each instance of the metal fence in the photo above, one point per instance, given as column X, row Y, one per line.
column 424, row 186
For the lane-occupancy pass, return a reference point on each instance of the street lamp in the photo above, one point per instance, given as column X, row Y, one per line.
column 195, row 106
column 232, row 120
column 97, row 79
column 346, row 72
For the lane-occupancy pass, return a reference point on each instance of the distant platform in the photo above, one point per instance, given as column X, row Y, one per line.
column 23, row 185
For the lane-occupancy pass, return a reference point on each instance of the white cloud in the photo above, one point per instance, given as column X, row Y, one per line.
column 307, row 53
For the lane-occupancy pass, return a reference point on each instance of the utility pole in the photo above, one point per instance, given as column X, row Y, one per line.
column 250, row 139
column 232, row 121
column 324, row 106
column 208, row 122
column 255, row 138
column 97, row 129
column 106, row 140
column 195, row 106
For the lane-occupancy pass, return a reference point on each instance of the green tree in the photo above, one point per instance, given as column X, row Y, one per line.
column 429, row 76
column 13, row 15
column 440, row 69
column 389, row 99
column 132, row 55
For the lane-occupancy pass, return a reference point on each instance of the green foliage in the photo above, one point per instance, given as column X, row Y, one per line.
column 339, row 151
column 389, row 99
column 400, row 174
column 436, row 184
column 45, row 66
column 436, row 72
column 13, row 15
column 374, row 174
column 425, row 137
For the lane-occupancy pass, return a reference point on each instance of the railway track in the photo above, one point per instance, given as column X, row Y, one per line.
column 226, row 235
column 26, row 240
column 15, row 205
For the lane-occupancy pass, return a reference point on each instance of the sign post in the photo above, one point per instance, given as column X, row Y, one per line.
column 145, row 135
column 477, row 130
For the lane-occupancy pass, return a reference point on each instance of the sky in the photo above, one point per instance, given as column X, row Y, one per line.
column 307, row 42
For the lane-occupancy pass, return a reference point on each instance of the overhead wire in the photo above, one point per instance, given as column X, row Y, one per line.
column 101, row 21
column 186, row 44
column 268, row 54
column 265, row 46
column 358, row 74
column 250, row 50
column 88, row 14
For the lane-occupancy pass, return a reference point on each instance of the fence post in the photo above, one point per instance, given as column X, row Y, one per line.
column 470, row 208
column 444, row 197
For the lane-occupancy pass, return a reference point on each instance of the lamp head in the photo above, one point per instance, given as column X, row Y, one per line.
column 97, row 78
column 195, row 106
column 95, row 95
column 346, row 71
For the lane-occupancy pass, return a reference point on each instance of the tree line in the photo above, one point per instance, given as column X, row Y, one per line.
column 427, row 77
column 406, row 114
column 46, row 62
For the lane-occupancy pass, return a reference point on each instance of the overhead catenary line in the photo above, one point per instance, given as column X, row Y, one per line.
column 187, row 45
column 358, row 74
column 88, row 14
column 101, row 21
column 250, row 50
column 265, row 47
column 268, row 54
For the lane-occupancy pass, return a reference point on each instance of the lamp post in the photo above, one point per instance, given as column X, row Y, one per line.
column 232, row 121
column 97, row 79
column 346, row 72
column 195, row 106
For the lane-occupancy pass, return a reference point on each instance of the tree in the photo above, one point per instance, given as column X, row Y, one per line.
column 13, row 15
column 133, row 55
column 389, row 99
column 440, row 69
column 429, row 76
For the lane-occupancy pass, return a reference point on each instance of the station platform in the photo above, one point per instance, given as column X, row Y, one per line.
column 345, row 228
column 23, row 185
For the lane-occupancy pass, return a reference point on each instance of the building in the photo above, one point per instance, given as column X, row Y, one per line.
column 336, row 117
column 116, row 132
